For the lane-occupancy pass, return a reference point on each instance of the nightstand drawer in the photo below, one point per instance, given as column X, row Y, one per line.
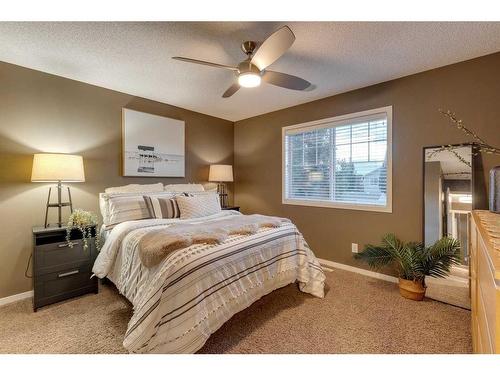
column 59, row 256
column 59, row 271
column 64, row 284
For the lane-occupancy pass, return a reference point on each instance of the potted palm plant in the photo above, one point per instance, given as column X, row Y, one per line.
column 413, row 261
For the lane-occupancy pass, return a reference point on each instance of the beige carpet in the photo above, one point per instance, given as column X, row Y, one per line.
column 358, row 315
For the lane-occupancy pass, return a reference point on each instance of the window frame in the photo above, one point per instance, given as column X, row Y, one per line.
column 339, row 121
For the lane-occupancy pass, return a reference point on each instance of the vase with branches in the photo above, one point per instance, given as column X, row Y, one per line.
column 413, row 261
column 479, row 146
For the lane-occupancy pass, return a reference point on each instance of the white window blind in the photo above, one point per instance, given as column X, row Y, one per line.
column 342, row 163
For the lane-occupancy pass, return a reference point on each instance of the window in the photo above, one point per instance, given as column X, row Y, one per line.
column 342, row 162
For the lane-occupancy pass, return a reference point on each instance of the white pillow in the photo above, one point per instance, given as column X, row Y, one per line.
column 206, row 192
column 136, row 188
column 126, row 208
column 104, row 204
column 119, row 207
column 181, row 188
column 210, row 186
column 198, row 205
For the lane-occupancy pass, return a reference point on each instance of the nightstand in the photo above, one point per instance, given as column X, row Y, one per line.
column 235, row 208
column 59, row 271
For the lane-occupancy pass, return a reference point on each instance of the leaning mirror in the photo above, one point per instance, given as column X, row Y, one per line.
column 452, row 189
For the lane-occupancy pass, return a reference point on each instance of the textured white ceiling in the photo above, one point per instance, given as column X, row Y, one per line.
column 135, row 58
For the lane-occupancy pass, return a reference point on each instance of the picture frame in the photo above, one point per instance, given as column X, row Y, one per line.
column 152, row 145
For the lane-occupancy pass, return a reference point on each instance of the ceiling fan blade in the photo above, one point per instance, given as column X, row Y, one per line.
column 201, row 62
column 231, row 90
column 273, row 47
column 285, row 80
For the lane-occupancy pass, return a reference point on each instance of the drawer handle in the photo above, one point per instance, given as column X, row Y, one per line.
column 68, row 273
column 66, row 244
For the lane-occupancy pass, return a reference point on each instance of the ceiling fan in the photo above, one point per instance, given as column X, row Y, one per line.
column 253, row 70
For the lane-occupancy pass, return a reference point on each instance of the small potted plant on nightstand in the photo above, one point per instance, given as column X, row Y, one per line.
column 86, row 223
column 413, row 261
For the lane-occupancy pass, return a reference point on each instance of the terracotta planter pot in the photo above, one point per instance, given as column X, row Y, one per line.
column 412, row 289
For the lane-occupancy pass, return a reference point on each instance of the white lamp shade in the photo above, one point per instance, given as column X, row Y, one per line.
column 220, row 173
column 57, row 167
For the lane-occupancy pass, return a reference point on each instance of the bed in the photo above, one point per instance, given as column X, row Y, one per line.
column 194, row 290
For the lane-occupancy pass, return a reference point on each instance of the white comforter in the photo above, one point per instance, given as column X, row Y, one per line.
column 191, row 293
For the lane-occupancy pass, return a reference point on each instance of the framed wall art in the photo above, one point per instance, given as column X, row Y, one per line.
column 152, row 145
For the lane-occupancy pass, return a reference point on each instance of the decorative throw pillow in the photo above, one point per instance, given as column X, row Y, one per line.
column 125, row 208
column 162, row 207
column 198, row 205
column 210, row 187
column 206, row 192
column 115, row 203
column 104, row 202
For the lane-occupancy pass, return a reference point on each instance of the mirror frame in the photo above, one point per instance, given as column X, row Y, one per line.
column 478, row 186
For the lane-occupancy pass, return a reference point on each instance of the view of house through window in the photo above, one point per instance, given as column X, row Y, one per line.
column 341, row 163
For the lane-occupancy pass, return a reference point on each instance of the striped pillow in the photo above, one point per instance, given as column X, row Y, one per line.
column 119, row 207
column 126, row 208
column 162, row 207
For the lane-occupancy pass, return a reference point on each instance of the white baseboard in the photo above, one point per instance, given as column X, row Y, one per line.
column 361, row 271
column 16, row 297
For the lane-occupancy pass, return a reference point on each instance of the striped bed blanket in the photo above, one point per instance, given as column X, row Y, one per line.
column 191, row 293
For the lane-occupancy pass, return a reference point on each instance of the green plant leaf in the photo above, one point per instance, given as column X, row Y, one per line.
column 376, row 256
column 413, row 260
column 441, row 256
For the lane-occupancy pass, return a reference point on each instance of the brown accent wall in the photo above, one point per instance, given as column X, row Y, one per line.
column 44, row 113
column 471, row 89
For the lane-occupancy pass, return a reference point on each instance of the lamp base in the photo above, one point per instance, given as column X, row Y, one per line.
column 222, row 191
column 59, row 205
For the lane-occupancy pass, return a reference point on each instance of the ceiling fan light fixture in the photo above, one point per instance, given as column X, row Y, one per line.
column 253, row 70
column 249, row 79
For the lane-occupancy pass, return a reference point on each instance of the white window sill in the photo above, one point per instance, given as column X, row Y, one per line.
column 343, row 206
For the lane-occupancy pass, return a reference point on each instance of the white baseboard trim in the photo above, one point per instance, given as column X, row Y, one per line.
column 16, row 297
column 361, row 271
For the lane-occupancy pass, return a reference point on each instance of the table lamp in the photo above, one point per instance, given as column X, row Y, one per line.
column 221, row 174
column 57, row 168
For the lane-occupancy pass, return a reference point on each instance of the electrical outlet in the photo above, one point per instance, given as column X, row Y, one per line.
column 354, row 247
